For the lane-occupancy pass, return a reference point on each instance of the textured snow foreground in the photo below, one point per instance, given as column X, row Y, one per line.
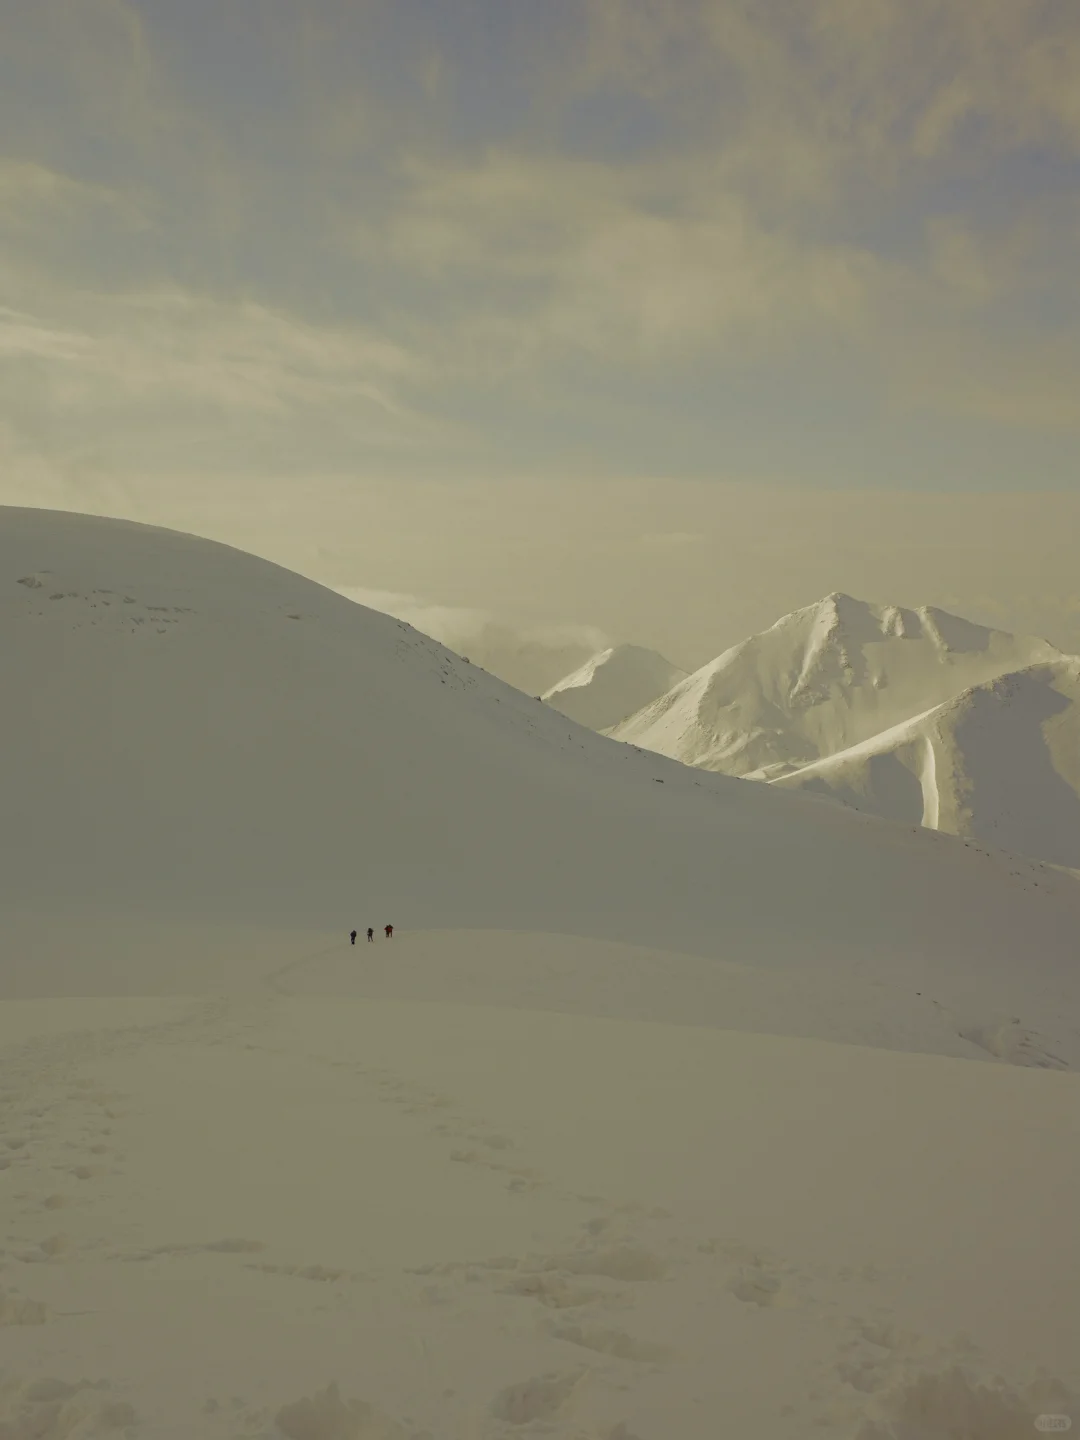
column 802, row 1161
column 498, row 1220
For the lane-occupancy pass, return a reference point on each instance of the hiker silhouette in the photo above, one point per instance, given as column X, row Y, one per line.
column 389, row 931
column 352, row 936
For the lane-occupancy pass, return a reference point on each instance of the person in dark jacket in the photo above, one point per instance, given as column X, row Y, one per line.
column 370, row 933
column 352, row 936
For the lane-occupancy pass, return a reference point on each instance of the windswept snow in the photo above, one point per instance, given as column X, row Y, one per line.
column 676, row 1106
column 821, row 680
column 612, row 685
column 1000, row 762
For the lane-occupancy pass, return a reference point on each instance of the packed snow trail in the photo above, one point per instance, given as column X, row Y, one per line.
column 273, row 980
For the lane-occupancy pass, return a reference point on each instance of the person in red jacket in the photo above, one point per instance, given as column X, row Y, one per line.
column 389, row 931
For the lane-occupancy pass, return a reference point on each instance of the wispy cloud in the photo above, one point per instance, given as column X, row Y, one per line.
column 626, row 264
column 290, row 238
column 119, row 375
column 884, row 83
column 239, row 355
column 33, row 197
column 25, row 337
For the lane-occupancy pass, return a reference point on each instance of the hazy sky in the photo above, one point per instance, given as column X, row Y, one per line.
column 585, row 311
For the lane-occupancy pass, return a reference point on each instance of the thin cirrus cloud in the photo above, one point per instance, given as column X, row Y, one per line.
column 153, row 365
column 809, row 240
column 582, row 258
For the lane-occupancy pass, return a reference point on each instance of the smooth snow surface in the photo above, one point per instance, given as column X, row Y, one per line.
column 676, row 1107
column 612, row 685
column 1000, row 762
column 821, row 680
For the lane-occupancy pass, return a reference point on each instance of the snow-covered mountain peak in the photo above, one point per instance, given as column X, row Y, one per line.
column 847, row 623
column 823, row 678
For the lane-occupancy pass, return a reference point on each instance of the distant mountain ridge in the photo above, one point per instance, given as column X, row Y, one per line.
column 613, row 684
column 820, row 680
column 913, row 715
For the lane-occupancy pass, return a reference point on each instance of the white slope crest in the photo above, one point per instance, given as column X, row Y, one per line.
column 612, row 685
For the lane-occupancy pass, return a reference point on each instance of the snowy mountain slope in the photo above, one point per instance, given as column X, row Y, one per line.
column 1000, row 763
column 612, row 685
column 197, row 734
column 743, row 1176
column 821, row 680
